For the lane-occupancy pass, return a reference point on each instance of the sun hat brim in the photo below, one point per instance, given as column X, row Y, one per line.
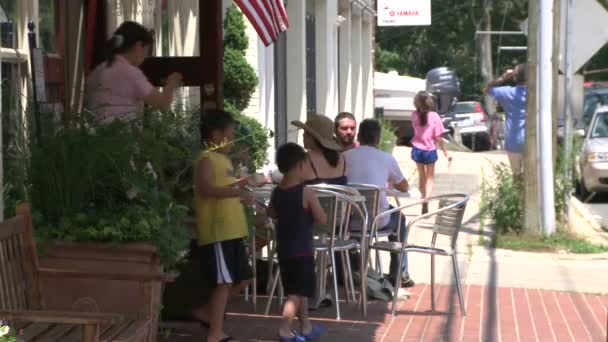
column 331, row 144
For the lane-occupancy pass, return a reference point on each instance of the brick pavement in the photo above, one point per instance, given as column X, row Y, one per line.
column 493, row 314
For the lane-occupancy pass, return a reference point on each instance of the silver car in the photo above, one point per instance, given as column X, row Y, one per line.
column 594, row 158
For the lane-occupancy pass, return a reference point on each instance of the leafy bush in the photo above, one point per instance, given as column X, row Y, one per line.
column 240, row 78
column 99, row 185
column 251, row 146
column 502, row 200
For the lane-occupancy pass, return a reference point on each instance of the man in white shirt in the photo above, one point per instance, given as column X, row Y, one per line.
column 369, row 165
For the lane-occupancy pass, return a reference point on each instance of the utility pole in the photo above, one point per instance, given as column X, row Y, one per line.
column 485, row 55
column 545, row 102
column 554, row 108
column 531, row 189
column 568, row 72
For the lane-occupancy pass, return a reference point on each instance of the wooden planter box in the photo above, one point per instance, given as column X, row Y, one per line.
column 133, row 299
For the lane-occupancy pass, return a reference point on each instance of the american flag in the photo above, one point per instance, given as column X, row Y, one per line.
column 268, row 17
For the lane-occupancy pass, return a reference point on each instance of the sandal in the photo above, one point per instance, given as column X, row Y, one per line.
column 294, row 338
column 228, row 339
column 315, row 333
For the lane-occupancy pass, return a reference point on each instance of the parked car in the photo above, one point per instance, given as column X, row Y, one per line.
column 473, row 123
column 593, row 160
column 594, row 98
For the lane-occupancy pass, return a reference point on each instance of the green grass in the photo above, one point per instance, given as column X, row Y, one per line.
column 560, row 241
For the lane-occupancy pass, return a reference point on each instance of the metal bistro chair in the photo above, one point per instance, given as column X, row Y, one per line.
column 372, row 207
column 448, row 220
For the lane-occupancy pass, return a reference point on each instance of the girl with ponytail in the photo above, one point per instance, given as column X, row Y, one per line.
column 428, row 133
column 117, row 89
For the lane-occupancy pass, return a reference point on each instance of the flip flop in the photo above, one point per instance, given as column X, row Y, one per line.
column 294, row 338
column 315, row 333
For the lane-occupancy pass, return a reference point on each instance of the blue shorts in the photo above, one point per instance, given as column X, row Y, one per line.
column 424, row 157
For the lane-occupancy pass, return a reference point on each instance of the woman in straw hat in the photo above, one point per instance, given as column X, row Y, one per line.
column 325, row 161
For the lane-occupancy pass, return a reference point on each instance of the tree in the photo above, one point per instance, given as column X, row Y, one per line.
column 240, row 79
column 240, row 82
column 451, row 41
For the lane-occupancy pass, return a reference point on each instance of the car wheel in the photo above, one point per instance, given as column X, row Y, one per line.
column 581, row 189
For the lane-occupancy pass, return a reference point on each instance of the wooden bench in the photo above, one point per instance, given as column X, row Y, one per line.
column 22, row 305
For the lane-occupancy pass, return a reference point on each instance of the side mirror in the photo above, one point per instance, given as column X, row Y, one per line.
column 579, row 133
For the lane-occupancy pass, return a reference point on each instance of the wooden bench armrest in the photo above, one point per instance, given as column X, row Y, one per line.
column 60, row 317
column 80, row 274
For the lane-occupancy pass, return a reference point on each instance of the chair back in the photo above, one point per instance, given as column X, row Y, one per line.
column 329, row 202
column 19, row 286
column 449, row 221
column 371, row 193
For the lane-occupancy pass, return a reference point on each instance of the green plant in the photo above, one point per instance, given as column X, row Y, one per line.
column 502, row 200
column 6, row 335
column 106, row 184
column 388, row 136
column 251, row 141
column 240, row 79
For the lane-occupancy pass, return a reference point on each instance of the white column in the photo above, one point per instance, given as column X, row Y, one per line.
column 367, row 70
column 296, row 72
column 357, row 88
column 266, row 92
column 345, row 104
column 326, row 39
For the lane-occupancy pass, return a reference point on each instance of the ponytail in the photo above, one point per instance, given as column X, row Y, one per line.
column 125, row 37
column 424, row 103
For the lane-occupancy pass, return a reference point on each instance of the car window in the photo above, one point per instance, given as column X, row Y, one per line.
column 463, row 107
column 600, row 126
column 590, row 105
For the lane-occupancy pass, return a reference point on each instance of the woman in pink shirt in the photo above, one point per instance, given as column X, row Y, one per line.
column 117, row 89
column 428, row 132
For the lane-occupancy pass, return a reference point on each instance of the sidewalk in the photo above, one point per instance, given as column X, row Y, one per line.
column 510, row 296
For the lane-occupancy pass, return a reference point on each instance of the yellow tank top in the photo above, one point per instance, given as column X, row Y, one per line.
column 219, row 219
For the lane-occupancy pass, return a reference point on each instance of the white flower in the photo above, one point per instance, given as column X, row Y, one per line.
column 4, row 330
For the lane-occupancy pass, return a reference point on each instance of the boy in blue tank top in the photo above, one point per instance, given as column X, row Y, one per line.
column 295, row 208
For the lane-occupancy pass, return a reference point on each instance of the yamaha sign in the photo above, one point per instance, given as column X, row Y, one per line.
column 404, row 12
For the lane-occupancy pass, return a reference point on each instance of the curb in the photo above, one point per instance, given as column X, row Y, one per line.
column 585, row 214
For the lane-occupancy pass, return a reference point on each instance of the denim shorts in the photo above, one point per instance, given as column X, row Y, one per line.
column 424, row 157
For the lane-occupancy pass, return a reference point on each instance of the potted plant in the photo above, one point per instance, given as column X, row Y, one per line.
column 103, row 200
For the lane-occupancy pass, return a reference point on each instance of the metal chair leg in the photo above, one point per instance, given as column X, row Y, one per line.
column 349, row 269
column 335, row 276
column 432, row 282
column 397, row 283
column 344, row 254
column 458, row 285
column 271, row 293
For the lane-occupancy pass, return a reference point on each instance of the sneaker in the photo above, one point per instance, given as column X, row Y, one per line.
column 315, row 333
column 406, row 281
column 295, row 338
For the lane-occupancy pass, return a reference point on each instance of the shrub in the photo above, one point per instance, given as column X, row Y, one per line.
column 99, row 185
column 502, row 200
column 251, row 147
column 240, row 79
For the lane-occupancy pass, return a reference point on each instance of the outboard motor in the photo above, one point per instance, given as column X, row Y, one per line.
column 444, row 84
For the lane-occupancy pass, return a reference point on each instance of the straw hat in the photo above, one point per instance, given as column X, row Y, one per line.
column 321, row 128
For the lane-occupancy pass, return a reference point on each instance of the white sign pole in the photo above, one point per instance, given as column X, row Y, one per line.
column 404, row 13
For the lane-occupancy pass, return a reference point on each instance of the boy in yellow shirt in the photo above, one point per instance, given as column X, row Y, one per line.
column 221, row 222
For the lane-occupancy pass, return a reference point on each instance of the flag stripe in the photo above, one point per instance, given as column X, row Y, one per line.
column 268, row 17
